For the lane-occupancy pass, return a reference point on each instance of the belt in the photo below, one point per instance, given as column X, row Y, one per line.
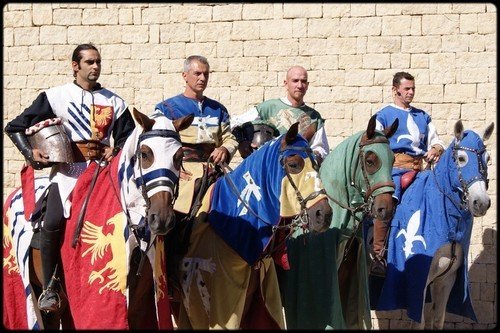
column 197, row 152
column 406, row 161
column 87, row 150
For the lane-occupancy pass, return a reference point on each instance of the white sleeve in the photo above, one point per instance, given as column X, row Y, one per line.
column 319, row 143
column 240, row 119
column 432, row 137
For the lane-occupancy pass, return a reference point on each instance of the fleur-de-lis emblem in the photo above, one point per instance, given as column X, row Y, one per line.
column 410, row 234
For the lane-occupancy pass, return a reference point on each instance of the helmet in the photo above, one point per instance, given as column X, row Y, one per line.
column 51, row 138
column 258, row 133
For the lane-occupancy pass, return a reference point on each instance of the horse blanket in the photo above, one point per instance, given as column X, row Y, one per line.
column 232, row 229
column 424, row 221
column 314, row 259
column 95, row 272
column 18, row 312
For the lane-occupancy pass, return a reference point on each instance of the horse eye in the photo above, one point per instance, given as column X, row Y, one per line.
column 294, row 164
column 147, row 157
column 372, row 162
column 487, row 159
column 462, row 158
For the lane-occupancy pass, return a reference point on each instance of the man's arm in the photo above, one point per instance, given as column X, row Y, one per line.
column 435, row 143
column 319, row 144
column 123, row 127
column 228, row 145
column 251, row 115
column 38, row 111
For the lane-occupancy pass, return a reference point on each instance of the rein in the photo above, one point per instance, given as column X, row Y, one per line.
column 464, row 185
column 368, row 201
column 81, row 215
column 165, row 133
column 299, row 221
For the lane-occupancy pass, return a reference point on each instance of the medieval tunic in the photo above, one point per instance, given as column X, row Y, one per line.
column 280, row 113
column 97, row 115
column 209, row 127
column 414, row 136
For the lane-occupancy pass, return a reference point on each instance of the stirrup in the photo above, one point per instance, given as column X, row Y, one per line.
column 47, row 296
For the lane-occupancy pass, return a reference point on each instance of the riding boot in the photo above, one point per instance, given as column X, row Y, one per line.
column 378, row 265
column 49, row 250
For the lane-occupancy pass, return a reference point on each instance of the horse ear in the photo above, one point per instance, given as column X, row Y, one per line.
column 459, row 130
column 391, row 130
column 143, row 120
column 370, row 129
column 488, row 131
column 292, row 133
column 181, row 124
column 309, row 131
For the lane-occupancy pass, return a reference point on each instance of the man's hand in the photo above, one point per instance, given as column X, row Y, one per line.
column 108, row 154
column 219, row 155
column 40, row 158
column 185, row 175
column 433, row 155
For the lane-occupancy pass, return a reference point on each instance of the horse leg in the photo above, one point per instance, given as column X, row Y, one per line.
column 141, row 308
column 253, row 286
column 450, row 260
column 346, row 277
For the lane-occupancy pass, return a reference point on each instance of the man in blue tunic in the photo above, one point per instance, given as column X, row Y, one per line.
column 208, row 137
column 415, row 140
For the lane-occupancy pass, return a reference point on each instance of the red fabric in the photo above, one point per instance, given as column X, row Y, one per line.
column 14, row 304
column 93, row 304
column 257, row 317
column 28, row 186
column 163, row 303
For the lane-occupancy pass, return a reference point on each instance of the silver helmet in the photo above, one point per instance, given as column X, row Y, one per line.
column 53, row 141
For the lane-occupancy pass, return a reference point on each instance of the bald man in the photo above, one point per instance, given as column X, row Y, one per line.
column 283, row 112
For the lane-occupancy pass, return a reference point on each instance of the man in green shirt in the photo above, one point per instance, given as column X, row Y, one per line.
column 281, row 113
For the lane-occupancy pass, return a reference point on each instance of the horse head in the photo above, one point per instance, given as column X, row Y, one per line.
column 311, row 204
column 375, row 160
column 159, row 157
column 471, row 161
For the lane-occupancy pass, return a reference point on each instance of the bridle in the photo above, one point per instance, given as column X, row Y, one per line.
column 172, row 181
column 464, row 184
column 299, row 221
column 146, row 183
column 368, row 199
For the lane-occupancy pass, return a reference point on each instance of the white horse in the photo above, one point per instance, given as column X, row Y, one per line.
column 130, row 205
column 430, row 234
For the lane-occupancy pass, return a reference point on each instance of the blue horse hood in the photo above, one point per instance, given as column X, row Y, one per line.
column 257, row 180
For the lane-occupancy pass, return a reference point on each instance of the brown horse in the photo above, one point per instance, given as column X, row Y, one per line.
column 227, row 277
column 326, row 284
column 135, row 199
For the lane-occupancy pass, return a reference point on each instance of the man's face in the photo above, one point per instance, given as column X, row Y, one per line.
column 296, row 84
column 197, row 77
column 89, row 68
column 405, row 92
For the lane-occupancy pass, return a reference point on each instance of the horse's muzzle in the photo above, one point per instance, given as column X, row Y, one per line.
column 320, row 216
column 383, row 207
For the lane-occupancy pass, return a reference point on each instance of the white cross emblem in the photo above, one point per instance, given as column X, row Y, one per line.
column 248, row 191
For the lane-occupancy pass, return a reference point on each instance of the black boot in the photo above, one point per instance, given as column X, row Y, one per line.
column 49, row 250
column 378, row 265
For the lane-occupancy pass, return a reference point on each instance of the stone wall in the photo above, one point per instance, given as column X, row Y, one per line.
column 350, row 50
